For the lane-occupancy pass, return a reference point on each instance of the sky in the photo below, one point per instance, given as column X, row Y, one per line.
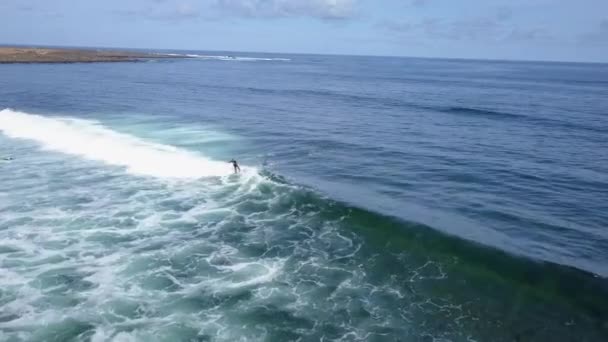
column 561, row 30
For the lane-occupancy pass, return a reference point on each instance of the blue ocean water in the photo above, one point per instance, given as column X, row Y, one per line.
column 381, row 199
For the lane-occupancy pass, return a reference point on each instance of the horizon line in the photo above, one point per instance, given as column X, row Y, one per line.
column 33, row 45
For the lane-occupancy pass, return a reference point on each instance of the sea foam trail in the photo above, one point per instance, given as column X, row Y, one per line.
column 91, row 140
column 236, row 58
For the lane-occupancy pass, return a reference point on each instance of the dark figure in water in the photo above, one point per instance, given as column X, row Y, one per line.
column 236, row 166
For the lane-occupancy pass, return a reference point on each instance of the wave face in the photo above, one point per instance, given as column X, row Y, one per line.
column 482, row 112
column 91, row 252
column 93, row 141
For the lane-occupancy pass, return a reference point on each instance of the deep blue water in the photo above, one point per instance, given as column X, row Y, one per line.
column 382, row 199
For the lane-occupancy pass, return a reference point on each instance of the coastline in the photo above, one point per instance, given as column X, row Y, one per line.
column 9, row 55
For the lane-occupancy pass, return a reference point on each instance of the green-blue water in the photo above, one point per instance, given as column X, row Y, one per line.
column 381, row 199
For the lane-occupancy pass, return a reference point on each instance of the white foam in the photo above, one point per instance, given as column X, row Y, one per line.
column 242, row 275
column 238, row 58
column 93, row 141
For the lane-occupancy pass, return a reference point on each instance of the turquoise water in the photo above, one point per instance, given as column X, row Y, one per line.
column 381, row 199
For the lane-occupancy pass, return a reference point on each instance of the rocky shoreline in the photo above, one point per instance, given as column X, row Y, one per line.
column 48, row 55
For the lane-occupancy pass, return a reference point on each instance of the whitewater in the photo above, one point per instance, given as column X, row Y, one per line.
column 83, row 268
column 91, row 140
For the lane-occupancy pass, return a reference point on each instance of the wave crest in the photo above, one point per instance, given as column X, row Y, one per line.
column 91, row 140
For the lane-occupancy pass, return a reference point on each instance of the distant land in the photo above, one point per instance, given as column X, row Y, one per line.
column 65, row 55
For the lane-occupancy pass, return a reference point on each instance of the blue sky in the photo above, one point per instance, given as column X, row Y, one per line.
column 566, row 30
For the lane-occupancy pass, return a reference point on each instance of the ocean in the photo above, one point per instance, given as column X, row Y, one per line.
column 380, row 199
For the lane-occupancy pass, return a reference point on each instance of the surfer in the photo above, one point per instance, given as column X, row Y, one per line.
column 236, row 166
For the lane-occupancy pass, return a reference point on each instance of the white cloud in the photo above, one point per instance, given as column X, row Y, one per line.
column 163, row 10
column 214, row 9
column 324, row 9
column 489, row 29
column 185, row 10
